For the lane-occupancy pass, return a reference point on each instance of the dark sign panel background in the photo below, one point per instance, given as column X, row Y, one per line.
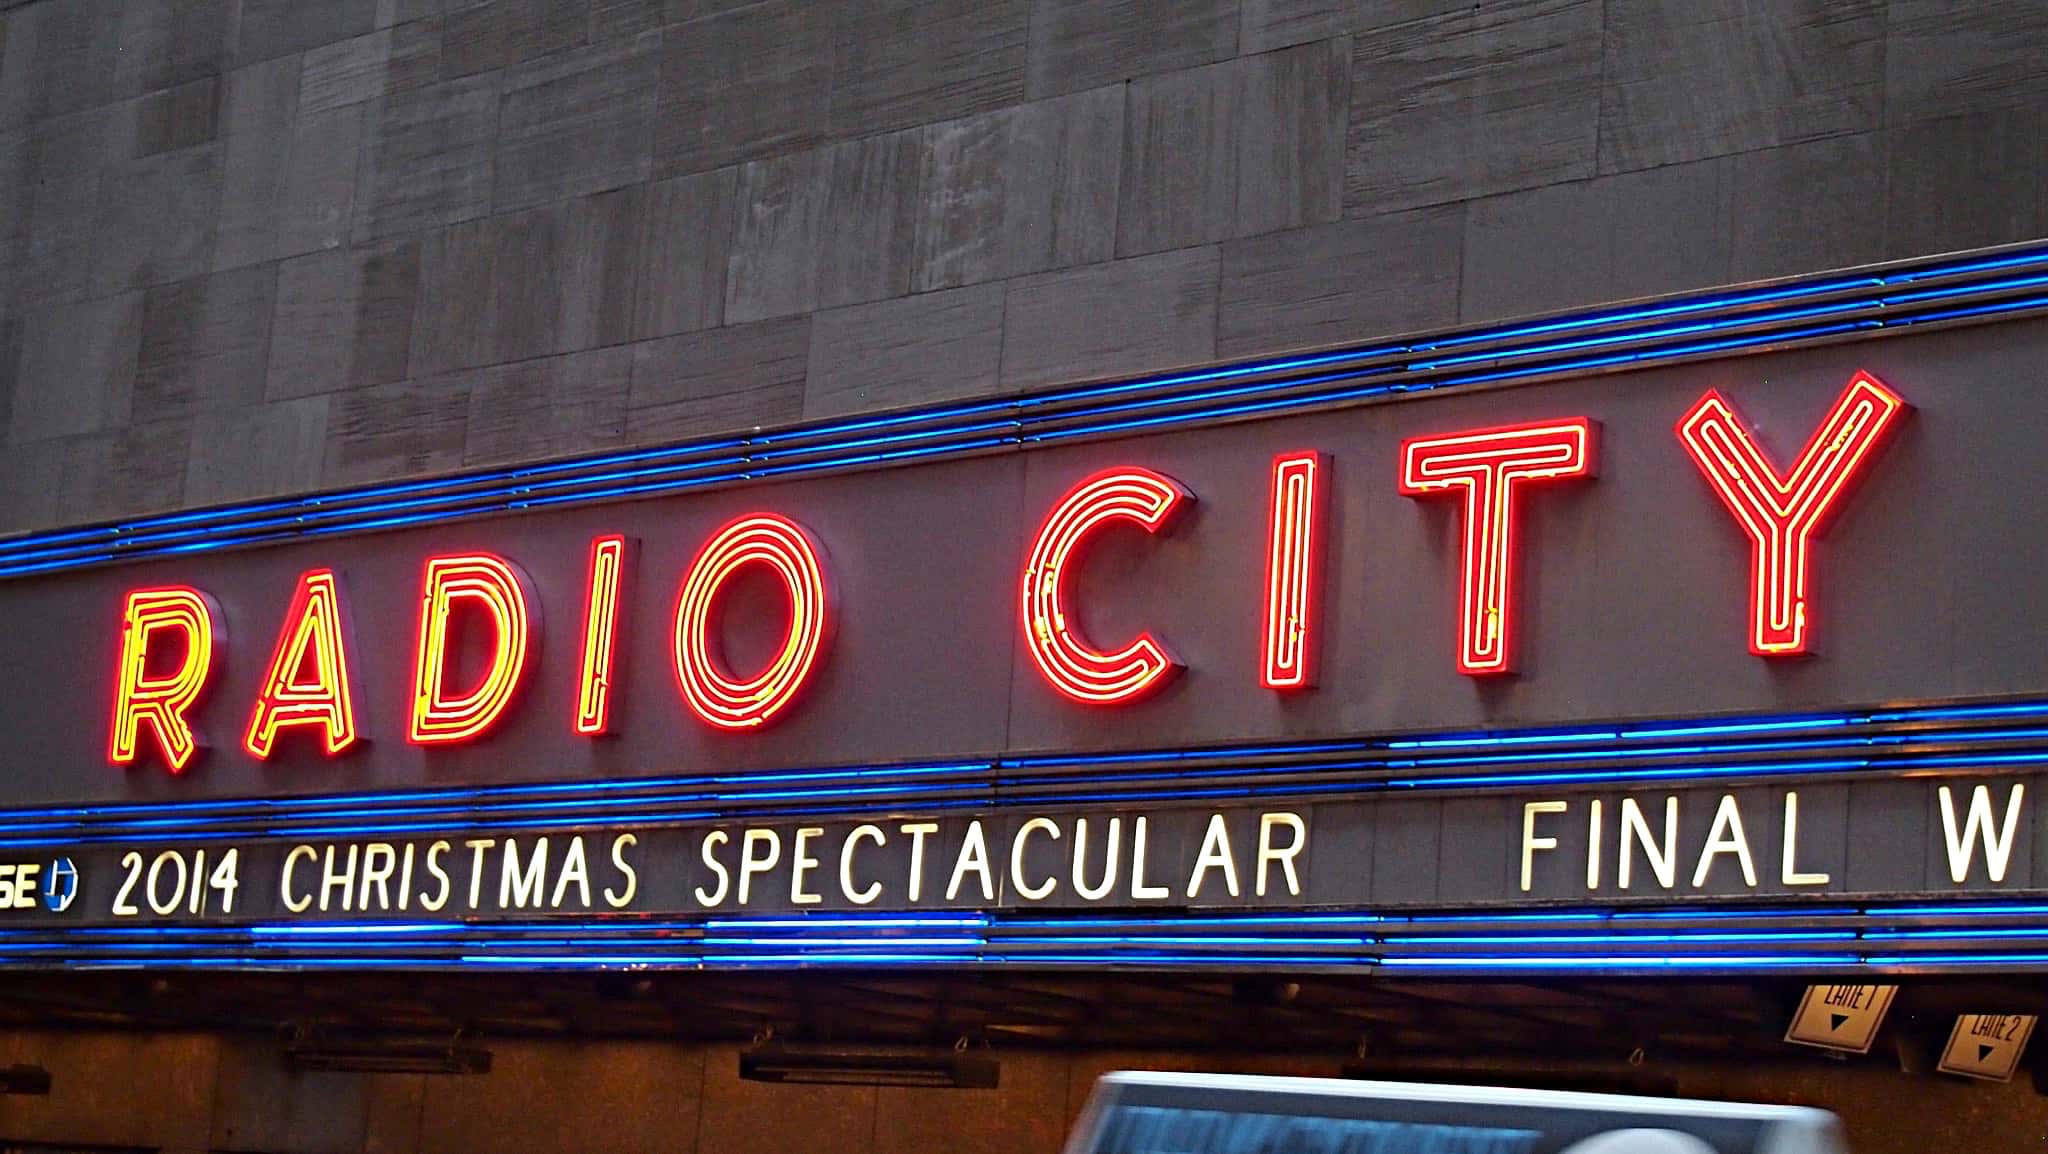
column 1632, row 600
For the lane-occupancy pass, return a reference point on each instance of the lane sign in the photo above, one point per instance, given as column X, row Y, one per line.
column 1987, row 1046
column 1843, row 1018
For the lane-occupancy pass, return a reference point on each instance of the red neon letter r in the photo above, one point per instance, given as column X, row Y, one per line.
column 160, row 700
column 1781, row 513
column 1489, row 466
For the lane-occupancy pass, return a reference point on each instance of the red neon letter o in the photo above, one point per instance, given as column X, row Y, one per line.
column 715, row 696
column 1068, row 663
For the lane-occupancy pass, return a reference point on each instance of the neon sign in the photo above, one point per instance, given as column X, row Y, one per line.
column 1077, row 669
column 717, row 697
column 308, row 682
column 1488, row 467
column 1781, row 512
column 158, row 701
column 479, row 620
column 500, row 590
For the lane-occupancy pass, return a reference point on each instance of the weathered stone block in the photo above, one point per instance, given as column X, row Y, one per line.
column 1125, row 316
column 548, row 407
column 912, row 350
column 898, row 63
column 256, row 451
column 156, row 219
column 1479, row 100
column 718, row 380
column 205, row 343
column 1341, row 283
column 1687, row 79
column 427, row 157
column 1808, row 207
column 343, row 319
column 1613, row 238
column 823, row 228
column 1019, row 191
column 686, row 236
column 75, row 369
column 744, row 84
column 577, row 123
column 1077, row 44
column 390, row 431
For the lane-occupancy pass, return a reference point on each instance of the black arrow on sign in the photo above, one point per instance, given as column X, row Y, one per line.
column 1984, row 1052
column 1836, row 1021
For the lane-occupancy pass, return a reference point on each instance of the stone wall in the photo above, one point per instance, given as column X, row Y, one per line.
column 260, row 246
column 191, row 1093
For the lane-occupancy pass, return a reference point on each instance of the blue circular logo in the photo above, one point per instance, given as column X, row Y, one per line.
column 61, row 887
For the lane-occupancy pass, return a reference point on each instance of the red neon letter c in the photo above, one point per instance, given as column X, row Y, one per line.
column 715, row 696
column 1067, row 662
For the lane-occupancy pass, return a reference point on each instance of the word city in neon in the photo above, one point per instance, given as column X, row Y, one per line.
column 1489, row 472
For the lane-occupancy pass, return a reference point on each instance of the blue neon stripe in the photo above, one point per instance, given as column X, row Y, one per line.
column 673, row 468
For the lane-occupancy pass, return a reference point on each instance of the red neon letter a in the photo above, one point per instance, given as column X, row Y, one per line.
column 308, row 682
column 1489, row 466
column 1782, row 512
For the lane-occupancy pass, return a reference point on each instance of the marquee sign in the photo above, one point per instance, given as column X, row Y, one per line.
column 1752, row 630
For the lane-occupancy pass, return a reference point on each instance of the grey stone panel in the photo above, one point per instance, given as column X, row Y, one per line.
column 528, row 284
column 613, row 19
column 68, row 158
column 427, row 157
column 1126, row 316
column 1687, row 79
column 1966, row 182
column 1179, row 181
column 577, row 123
column 1292, row 108
column 278, row 27
column 76, row 46
column 1341, row 283
column 1024, row 190
column 319, row 195
column 177, row 118
column 898, row 63
column 389, row 431
column 16, row 199
column 75, row 371
column 602, row 270
column 828, row 227
column 914, row 350
column 1268, row 24
column 377, row 64
column 134, row 470
column 391, row 13
column 171, row 42
column 156, row 219
column 718, row 380
column 1944, row 59
column 256, row 451
column 686, row 238
column 17, row 68
column 205, row 343
column 480, row 37
column 1077, row 44
column 343, row 319
column 1481, row 100
column 745, row 84
column 259, row 109
column 549, row 407
column 1613, row 238
column 1808, row 207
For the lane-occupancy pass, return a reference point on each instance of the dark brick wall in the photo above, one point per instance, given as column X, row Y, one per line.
column 258, row 246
